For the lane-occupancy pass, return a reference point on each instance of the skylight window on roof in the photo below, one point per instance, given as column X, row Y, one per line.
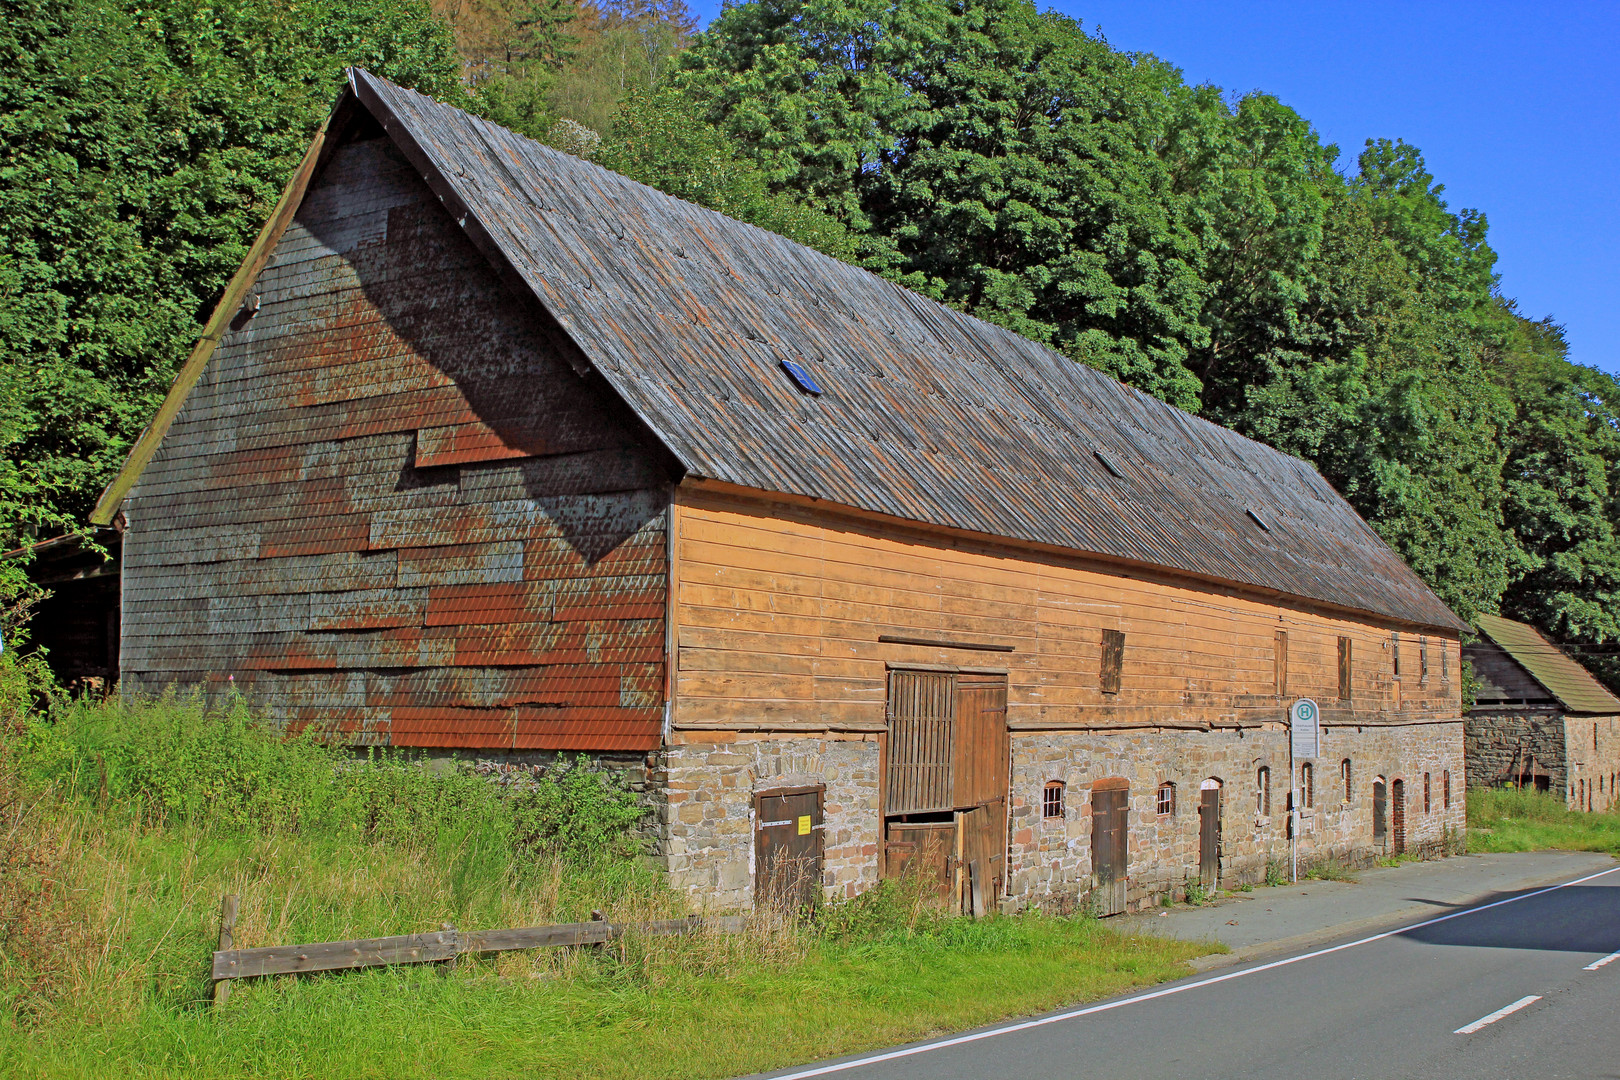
column 1260, row 521
column 804, row 380
column 1109, row 465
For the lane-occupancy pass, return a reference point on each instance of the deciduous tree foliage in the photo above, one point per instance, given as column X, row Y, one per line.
column 141, row 147
column 1205, row 247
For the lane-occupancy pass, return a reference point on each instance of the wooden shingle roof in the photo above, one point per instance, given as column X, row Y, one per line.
column 925, row 414
column 1574, row 687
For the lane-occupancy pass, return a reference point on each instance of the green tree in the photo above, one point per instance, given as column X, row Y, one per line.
column 141, row 147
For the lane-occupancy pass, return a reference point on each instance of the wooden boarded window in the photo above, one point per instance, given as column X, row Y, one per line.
column 1307, row 787
column 1344, row 669
column 922, row 719
column 1344, row 777
column 1445, row 788
column 1113, row 660
column 1279, row 651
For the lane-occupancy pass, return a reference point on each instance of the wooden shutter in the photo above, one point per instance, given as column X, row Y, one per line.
column 1113, row 660
column 922, row 715
column 1344, row 669
column 1280, row 655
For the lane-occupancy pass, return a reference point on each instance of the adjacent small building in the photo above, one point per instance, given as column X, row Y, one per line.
column 1539, row 719
column 489, row 450
column 76, row 625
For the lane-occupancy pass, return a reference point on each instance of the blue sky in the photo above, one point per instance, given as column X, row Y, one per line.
column 1516, row 107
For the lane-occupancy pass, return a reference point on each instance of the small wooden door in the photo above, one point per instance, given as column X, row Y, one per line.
column 1209, row 835
column 1398, row 812
column 1379, row 829
column 788, row 848
column 1109, row 832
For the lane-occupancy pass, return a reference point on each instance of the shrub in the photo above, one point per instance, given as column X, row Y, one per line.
column 170, row 761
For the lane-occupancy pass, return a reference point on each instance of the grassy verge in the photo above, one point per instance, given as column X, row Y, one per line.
column 121, row 827
column 1505, row 819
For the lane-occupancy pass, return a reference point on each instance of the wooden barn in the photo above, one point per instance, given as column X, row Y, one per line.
column 1539, row 719
column 490, row 450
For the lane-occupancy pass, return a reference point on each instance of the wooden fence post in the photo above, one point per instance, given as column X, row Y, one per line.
column 227, row 940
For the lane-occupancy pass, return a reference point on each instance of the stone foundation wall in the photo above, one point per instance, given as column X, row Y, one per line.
column 1051, row 858
column 707, row 818
column 706, row 826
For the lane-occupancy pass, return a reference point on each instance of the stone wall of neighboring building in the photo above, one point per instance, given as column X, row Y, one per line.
column 1592, row 749
column 1522, row 746
column 1578, row 756
column 707, row 826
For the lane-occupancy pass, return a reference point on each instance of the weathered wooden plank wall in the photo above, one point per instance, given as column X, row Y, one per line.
column 390, row 508
column 778, row 611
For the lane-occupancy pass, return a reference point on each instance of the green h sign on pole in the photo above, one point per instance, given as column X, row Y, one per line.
column 1304, row 742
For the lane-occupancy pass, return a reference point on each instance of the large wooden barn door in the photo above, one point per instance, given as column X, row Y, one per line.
column 1110, row 830
column 945, row 788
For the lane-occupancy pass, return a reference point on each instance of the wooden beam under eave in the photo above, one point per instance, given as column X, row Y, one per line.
column 230, row 303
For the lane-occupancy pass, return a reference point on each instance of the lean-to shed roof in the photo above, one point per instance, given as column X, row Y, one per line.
column 1566, row 680
column 926, row 414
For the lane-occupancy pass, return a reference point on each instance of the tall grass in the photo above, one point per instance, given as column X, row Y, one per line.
column 1516, row 819
column 122, row 825
column 126, row 823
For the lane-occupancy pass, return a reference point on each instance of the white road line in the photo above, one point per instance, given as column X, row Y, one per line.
column 1072, row 1014
column 1611, row 958
column 1506, row 1010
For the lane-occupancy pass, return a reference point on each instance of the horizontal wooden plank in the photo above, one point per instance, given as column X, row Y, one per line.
column 336, row 955
column 446, row 945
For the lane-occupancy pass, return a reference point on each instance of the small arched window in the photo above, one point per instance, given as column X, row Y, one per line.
column 1262, row 791
column 1307, row 786
column 1052, row 800
column 1344, row 777
column 1167, row 799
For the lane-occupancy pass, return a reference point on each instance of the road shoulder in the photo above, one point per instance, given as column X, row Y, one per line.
column 1272, row 921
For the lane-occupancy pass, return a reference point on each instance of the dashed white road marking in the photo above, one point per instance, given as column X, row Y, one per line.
column 1152, row 995
column 1506, row 1010
column 1611, row 958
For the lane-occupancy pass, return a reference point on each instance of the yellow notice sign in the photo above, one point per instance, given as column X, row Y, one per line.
column 804, row 824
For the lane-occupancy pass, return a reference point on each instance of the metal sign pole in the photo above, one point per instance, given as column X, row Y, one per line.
column 1293, row 811
column 1304, row 741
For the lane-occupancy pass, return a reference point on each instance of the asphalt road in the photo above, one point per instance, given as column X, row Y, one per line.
column 1415, row 1002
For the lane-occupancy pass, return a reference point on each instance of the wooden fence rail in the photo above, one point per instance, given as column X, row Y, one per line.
column 439, row 946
